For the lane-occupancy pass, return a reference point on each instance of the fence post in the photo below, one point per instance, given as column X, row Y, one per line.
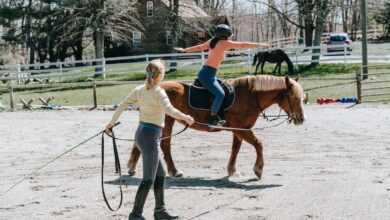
column 11, row 95
column 202, row 55
column 19, row 71
column 359, row 86
column 104, row 67
column 61, row 72
column 147, row 57
column 249, row 60
column 296, row 57
column 94, row 94
column 345, row 54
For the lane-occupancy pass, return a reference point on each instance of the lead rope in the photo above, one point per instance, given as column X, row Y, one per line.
column 117, row 170
column 161, row 138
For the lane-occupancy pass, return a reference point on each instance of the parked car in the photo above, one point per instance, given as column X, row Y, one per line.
column 341, row 39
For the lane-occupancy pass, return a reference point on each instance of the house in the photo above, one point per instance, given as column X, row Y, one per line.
column 156, row 17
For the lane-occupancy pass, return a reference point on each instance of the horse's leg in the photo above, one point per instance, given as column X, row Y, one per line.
column 262, row 67
column 257, row 66
column 280, row 68
column 249, row 137
column 276, row 66
column 166, row 148
column 132, row 163
column 233, row 155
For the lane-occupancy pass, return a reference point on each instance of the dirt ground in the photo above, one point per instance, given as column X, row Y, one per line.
column 335, row 166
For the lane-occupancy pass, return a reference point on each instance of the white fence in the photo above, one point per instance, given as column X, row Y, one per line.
column 188, row 61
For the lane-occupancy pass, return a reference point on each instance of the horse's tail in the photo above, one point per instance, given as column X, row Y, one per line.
column 290, row 65
column 255, row 58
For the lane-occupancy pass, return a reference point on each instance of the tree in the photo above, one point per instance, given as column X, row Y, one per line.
column 98, row 19
column 383, row 18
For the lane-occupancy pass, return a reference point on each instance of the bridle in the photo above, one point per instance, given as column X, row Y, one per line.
column 286, row 95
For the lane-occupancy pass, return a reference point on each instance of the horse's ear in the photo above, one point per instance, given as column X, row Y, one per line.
column 288, row 82
column 297, row 79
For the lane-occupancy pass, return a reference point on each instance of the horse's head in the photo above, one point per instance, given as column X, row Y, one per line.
column 291, row 101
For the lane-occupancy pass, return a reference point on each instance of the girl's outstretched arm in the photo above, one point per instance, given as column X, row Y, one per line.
column 246, row 45
column 130, row 99
column 198, row 48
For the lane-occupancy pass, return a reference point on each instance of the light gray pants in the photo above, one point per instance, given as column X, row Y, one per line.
column 147, row 140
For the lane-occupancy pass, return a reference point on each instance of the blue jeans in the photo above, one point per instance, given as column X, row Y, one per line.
column 207, row 76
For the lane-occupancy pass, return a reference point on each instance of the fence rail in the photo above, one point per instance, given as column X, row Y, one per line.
column 17, row 74
column 118, row 65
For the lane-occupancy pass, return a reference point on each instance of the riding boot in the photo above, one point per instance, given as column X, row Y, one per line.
column 215, row 120
column 140, row 199
column 160, row 213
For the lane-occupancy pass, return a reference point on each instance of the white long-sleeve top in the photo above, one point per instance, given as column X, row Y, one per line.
column 153, row 105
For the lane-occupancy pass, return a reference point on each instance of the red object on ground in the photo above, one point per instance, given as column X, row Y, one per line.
column 323, row 100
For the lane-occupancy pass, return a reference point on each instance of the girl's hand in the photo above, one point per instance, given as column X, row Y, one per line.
column 108, row 128
column 189, row 120
column 179, row 49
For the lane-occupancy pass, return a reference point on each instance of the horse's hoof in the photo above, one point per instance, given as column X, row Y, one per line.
column 177, row 173
column 131, row 172
column 231, row 172
column 258, row 173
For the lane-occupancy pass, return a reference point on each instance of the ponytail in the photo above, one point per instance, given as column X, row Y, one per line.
column 215, row 40
column 154, row 75
column 150, row 83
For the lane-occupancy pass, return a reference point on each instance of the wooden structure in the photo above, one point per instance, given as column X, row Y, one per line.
column 157, row 17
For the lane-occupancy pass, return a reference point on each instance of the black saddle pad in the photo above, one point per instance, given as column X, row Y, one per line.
column 200, row 98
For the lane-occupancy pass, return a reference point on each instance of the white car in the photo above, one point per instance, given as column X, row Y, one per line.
column 341, row 39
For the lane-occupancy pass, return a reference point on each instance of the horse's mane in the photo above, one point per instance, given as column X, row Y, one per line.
column 261, row 82
column 266, row 83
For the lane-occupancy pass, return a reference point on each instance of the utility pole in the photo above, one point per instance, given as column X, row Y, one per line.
column 363, row 7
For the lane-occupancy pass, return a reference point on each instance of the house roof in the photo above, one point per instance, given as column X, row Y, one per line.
column 188, row 9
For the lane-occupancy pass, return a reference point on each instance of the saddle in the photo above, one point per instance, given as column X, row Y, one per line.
column 200, row 98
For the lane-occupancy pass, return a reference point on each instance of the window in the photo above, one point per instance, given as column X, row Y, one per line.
column 201, row 34
column 136, row 39
column 169, row 38
column 149, row 8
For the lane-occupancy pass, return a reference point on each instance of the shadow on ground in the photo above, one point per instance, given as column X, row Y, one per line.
column 198, row 182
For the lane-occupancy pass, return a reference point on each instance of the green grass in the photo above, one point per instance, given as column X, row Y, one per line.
column 77, row 90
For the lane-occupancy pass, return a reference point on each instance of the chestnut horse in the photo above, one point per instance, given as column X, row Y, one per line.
column 253, row 95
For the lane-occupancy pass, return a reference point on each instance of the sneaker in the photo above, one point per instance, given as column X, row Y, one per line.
column 215, row 120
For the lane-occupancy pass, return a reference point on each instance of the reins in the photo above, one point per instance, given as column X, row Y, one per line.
column 242, row 129
column 161, row 138
column 117, row 170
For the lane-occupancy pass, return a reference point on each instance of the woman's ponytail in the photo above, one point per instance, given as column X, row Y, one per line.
column 155, row 71
column 214, row 42
column 150, row 83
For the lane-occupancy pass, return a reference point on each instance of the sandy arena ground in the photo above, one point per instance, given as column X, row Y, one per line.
column 335, row 166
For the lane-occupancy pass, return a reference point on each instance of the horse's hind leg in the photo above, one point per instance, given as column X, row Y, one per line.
column 262, row 67
column 257, row 67
column 132, row 163
column 249, row 137
column 237, row 141
column 275, row 68
column 166, row 148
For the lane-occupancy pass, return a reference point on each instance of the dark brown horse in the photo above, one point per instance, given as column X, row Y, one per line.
column 253, row 95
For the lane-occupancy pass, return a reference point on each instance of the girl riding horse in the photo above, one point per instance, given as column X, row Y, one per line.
column 207, row 75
